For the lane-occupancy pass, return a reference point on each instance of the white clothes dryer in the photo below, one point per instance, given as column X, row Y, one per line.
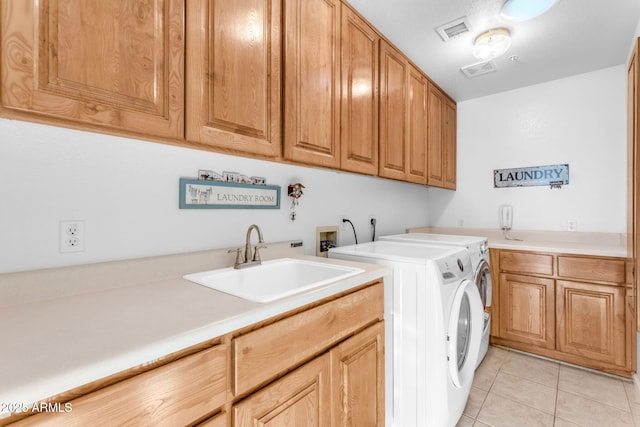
column 478, row 248
column 435, row 320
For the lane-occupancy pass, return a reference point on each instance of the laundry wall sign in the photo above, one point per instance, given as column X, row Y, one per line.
column 552, row 175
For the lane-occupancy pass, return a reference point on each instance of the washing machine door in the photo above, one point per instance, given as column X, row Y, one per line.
column 465, row 333
column 483, row 282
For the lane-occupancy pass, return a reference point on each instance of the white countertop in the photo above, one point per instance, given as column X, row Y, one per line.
column 579, row 243
column 53, row 343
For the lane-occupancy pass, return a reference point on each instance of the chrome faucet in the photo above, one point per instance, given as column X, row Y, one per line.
column 249, row 260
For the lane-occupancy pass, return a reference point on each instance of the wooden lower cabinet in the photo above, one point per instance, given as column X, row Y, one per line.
column 357, row 369
column 343, row 387
column 527, row 312
column 591, row 321
column 219, row 420
column 320, row 365
column 301, row 398
column 578, row 309
column 178, row 393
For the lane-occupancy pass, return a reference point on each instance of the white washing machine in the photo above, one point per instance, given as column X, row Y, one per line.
column 433, row 329
column 478, row 248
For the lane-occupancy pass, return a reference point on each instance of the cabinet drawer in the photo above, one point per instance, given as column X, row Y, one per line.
column 178, row 393
column 521, row 262
column 272, row 350
column 592, row 269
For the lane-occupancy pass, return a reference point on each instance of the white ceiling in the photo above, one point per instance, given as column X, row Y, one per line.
column 574, row 37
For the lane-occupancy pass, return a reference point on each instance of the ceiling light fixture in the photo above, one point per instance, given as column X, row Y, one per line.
column 492, row 44
column 521, row 10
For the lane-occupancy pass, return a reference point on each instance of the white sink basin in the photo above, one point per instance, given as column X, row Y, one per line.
column 273, row 279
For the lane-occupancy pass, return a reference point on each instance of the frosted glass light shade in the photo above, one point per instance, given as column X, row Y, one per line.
column 492, row 44
column 521, row 10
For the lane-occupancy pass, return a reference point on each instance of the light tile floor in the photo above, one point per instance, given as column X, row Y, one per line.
column 512, row 389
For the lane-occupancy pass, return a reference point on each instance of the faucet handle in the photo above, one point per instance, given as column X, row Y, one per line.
column 256, row 254
column 239, row 259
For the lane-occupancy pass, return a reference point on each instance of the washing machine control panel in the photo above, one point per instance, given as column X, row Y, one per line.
column 455, row 267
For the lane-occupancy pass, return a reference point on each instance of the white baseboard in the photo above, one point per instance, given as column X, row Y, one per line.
column 636, row 381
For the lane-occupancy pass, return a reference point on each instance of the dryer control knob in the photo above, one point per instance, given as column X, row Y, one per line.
column 484, row 248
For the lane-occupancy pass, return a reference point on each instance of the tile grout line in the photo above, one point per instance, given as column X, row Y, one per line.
column 502, row 362
column 555, row 406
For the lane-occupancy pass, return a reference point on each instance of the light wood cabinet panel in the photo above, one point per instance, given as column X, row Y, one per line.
column 219, row 420
column 312, row 82
column 441, row 146
column 301, row 398
column 523, row 262
column 234, row 75
column 288, row 342
column 112, row 63
column 527, row 310
column 357, row 367
column 323, row 363
column 435, row 112
column 417, row 136
column 449, row 145
column 359, row 94
column 592, row 269
column 593, row 315
column 178, row 393
column 591, row 321
column 393, row 117
column 633, row 161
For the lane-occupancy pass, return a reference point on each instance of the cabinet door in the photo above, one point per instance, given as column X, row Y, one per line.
column 312, row 82
column 359, row 123
column 527, row 310
column 435, row 144
column 449, row 145
column 393, row 117
column 110, row 63
column 417, row 137
column 591, row 321
column 234, row 74
column 301, row 398
column 357, row 367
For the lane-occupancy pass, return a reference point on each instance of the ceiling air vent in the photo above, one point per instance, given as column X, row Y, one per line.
column 479, row 69
column 454, row 28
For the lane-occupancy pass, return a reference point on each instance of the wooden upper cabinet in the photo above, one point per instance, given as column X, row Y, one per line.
column 435, row 143
column 417, row 137
column 359, row 94
column 111, row 63
column 234, row 75
column 449, row 150
column 441, row 151
column 312, row 82
column 393, row 118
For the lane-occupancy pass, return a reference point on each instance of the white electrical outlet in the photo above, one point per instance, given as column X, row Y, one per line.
column 572, row 225
column 72, row 236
